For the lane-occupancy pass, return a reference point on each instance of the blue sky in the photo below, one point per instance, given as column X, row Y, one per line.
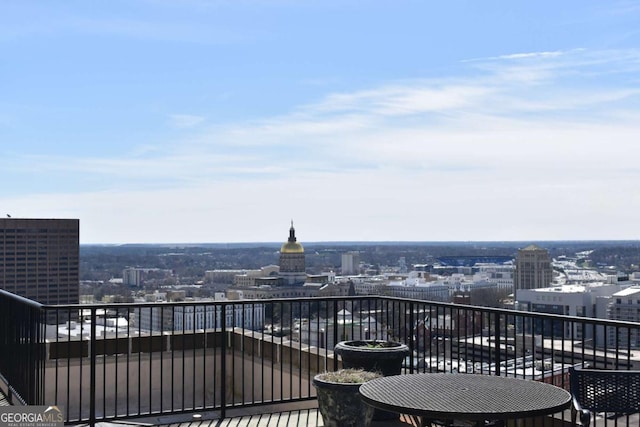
column 220, row 121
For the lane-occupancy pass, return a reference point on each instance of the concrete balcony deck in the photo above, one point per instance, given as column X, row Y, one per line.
column 290, row 415
column 300, row 418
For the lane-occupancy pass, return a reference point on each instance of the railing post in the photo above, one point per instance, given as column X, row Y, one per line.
column 335, row 333
column 41, row 334
column 496, row 331
column 29, row 336
column 223, row 362
column 92, row 369
column 411, row 340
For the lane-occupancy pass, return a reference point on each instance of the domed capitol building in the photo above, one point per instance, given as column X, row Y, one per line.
column 292, row 265
column 289, row 279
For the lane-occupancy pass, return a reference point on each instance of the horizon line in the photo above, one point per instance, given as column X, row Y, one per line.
column 365, row 242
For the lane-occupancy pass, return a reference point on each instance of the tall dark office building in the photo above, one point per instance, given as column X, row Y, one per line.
column 40, row 259
column 533, row 269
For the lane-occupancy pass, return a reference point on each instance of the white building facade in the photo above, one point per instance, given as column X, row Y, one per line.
column 625, row 305
column 201, row 316
column 584, row 300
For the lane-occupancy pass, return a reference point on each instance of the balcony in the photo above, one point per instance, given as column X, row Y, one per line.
column 174, row 363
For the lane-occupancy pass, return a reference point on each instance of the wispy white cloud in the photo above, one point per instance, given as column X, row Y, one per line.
column 408, row 99
column 185, row 120
column 524, row 55
column 496, row 119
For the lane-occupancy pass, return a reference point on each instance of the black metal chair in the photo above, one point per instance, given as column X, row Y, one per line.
column 615, row 392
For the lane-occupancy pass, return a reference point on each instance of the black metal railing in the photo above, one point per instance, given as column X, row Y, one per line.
column 116, row 361
column 21, row 352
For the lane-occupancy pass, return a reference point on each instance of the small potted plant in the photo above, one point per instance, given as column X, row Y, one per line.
column 339, row 399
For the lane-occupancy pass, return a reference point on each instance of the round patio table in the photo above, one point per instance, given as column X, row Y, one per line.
column 469, row 397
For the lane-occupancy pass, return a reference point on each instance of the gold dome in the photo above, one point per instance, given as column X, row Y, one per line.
column 292, row 246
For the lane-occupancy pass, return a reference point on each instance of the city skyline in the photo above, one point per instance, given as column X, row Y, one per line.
column 195, row 121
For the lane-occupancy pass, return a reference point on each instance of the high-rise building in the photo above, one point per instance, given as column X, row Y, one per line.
column 533, row 269
column 350, row 263
column 292, row 263
column 40, row 258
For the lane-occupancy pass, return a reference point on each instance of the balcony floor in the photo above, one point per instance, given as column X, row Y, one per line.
column 301, row 418
column 291, row 415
